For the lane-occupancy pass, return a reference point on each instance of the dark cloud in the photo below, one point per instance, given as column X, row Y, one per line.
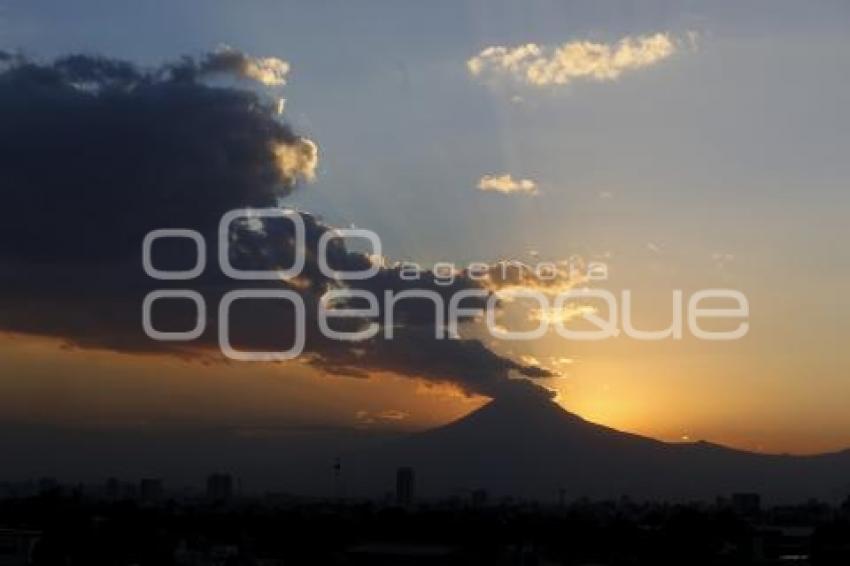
column 95, row 153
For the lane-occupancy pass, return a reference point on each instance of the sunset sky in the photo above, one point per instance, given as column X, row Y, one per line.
column 686, row 145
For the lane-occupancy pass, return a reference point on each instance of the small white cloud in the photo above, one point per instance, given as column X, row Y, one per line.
column 297, row 159
column 541, row 66
column 506, row 184
column 269, row 71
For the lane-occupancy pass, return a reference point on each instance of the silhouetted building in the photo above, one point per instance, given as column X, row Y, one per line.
column 402, row 554
column 112, row 489
column 17, row 546
column 746, row 503
column 404, row 480
column 220, row 487
column 49, row 486
column 479, row 498
column 150, row 489
column 339, row 486
column 774, row 544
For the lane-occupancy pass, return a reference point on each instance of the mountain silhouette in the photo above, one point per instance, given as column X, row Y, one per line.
column 534, row 448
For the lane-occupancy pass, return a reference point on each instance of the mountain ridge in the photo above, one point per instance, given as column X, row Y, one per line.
column 536, row 449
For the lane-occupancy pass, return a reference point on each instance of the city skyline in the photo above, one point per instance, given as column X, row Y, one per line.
column 685, row 148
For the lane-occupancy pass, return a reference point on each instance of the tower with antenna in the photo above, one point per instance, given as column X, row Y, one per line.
column 339, row 487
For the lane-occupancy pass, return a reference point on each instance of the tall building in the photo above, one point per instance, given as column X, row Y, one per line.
column 219, row 487
column 479, row 498
column 17, row 547
column 49, row 486
column 151, row 490
column 339, row 488
column 404, row 480
column 746, row 503
column 112, row 490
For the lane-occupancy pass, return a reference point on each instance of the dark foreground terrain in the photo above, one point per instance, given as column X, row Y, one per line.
column 63, row 526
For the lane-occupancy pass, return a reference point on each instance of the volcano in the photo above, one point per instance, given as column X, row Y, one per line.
column 538, row 450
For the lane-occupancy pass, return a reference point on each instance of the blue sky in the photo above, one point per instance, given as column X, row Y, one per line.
column 752, row 119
